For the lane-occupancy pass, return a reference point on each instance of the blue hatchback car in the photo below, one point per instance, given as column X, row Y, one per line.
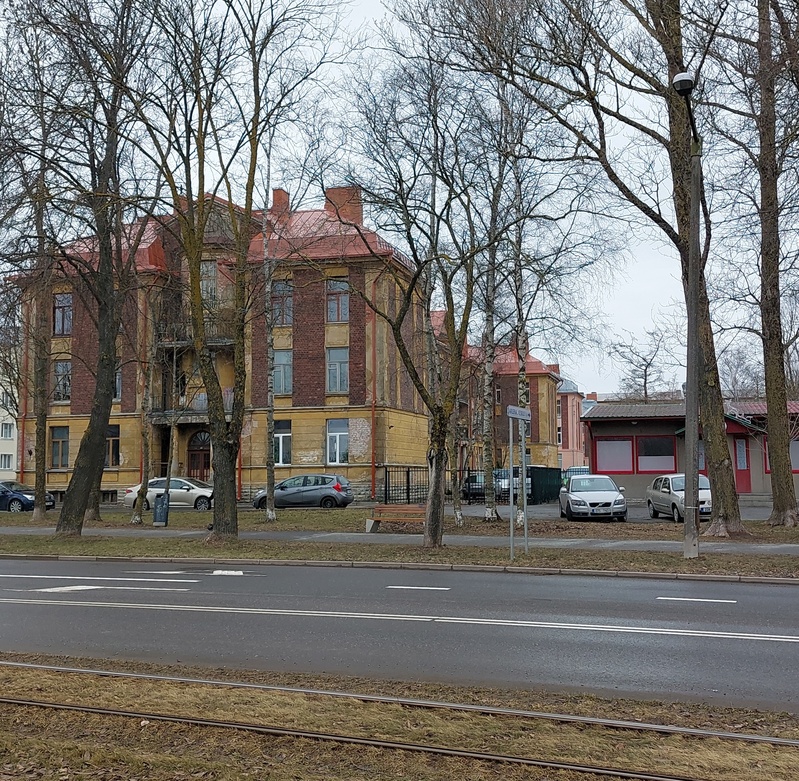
column 17, row 498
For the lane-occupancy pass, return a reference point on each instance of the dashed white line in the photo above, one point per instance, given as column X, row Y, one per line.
column 420, row 588
column 691, row 599
column 86, row 577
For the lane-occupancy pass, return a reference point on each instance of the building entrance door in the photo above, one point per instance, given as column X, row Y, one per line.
column 743, row 475
column 199, row 456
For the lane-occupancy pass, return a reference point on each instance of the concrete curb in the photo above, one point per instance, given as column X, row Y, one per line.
column 410, row 565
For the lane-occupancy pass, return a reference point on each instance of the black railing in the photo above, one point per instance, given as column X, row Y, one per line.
column 405, row 484
column 409, row 485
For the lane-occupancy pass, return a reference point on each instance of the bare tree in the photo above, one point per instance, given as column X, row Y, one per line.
column 604, row 74
column 229, row 73
column 642, row 364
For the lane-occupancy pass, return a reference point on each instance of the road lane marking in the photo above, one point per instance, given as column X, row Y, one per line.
column 691, row 599
column 642, row 630
column 420, row 588
column 86, row 577
column 227, row 572
column 106, row 588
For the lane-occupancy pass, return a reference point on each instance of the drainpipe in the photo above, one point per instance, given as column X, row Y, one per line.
column 238, row 472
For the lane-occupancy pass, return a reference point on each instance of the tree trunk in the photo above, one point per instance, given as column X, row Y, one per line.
column 88, row 467
column 93, row 505
column 489, row 352
column 454, row 482
column 726, row 518
column 783, row 511
column 41, row 369
column 437, row 462
column 224, row 458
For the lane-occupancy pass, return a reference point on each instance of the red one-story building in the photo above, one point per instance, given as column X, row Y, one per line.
column 635, row 442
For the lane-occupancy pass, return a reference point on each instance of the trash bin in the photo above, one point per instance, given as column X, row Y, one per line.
column 161, row 511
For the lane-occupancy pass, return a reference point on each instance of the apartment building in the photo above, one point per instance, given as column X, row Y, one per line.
column 571, row 430
column 343, row 402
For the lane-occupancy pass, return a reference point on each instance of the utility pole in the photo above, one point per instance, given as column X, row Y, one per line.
column 684, row 85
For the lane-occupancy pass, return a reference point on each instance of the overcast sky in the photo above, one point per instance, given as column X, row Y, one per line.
column 648, row 283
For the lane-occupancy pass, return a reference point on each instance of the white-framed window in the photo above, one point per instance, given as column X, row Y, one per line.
column 282, row 442
column 560, row 435
column 7, row 431
column 281, row 373
column 5, row 461
column 7, row 400
column 282, row 303
column 208, row 280
column 614, row 456
column 59, row 447
column 118, row 383
column 338, row 441
column 62, row 314
column 338, row 369
column 557, row 408
column 656, row 454
column 62, row 375
column 338, row 301
column 497, row 395
column 112, row 446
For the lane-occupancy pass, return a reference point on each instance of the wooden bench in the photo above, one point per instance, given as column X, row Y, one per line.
column 395, row 513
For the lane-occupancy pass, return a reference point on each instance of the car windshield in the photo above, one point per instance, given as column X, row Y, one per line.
column 678, row 483
column 198, row 483
column 580, row 484
column 13, row 486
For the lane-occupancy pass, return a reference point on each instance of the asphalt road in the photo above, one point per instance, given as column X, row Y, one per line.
column 687, row 640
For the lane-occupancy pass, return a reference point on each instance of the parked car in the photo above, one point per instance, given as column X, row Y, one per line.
column 309, row 491
column 473, row 486
column 183, row 492
column 575, row 470
column 502, row 481
column 666, row 494
column 592, row 496
column 16, row 497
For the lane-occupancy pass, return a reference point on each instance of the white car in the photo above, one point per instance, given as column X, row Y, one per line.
column 666, row 494
column 592, row 496
column 183, row 492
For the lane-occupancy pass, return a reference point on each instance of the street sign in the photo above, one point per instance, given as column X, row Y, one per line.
column 518, row 413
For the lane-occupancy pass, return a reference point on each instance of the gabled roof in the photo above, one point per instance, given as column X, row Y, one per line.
column 612, row 411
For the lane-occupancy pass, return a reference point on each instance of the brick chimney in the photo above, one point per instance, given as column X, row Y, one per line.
column 280, row 203
column 345, row 203
column 591, row 396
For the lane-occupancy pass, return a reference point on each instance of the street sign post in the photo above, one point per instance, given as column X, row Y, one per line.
column 523, row 416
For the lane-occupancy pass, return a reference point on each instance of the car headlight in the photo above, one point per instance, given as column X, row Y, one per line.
column 619, row 501
column 578, row 502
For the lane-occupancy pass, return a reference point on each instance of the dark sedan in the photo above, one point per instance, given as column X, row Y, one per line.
column 16, row 497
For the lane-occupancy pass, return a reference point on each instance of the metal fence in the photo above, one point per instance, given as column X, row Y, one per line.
column 405, row 484
column 409, row 485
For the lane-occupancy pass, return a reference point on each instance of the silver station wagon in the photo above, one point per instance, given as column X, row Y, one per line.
column 666, row 495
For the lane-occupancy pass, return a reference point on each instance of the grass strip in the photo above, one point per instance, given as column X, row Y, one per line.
column 624, row 561
column 105, row 741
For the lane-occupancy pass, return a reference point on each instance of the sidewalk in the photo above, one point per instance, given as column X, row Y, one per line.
column 451, row 540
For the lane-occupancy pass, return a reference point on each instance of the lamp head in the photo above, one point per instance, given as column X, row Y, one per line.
column 684, row 84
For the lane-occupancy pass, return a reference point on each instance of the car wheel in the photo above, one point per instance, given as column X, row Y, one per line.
column 653, row 513
column 203, row 503
column 262, row 503
column 15, row 506
column 145, row 505
column 569, row 514
column 328, row 502
column 675, row 514
column 623, row 518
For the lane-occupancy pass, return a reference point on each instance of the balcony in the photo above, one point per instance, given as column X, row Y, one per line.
column 176, row 330
column 189, row 409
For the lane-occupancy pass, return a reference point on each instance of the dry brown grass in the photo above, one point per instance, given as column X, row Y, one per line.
column 90, row 747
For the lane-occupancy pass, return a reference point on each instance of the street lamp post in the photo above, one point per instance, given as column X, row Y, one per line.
column 684, row 85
